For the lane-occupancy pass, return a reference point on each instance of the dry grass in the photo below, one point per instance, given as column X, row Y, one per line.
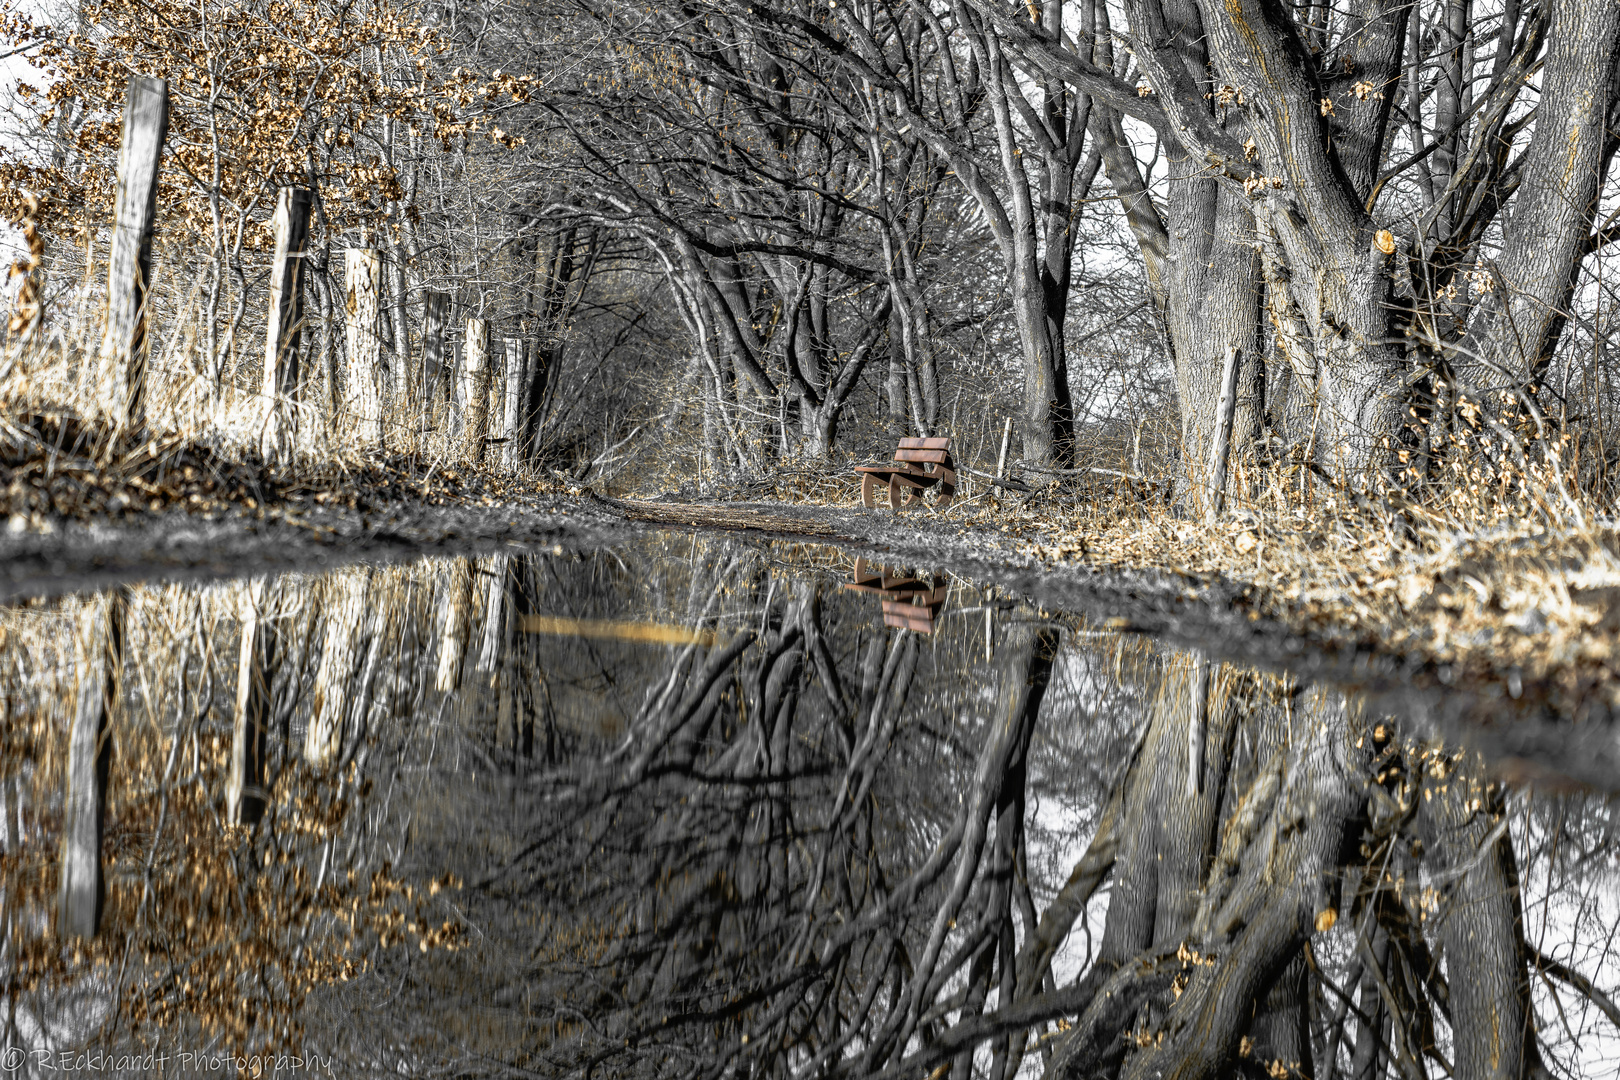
column 1503, row 558
column 1506, row 572
column 70, row 454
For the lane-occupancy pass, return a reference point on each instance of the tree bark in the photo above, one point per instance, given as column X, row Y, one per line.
column 1511, row 336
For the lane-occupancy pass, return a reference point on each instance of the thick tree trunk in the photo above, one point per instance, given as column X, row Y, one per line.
column 1212, row 288
column 1511, row 337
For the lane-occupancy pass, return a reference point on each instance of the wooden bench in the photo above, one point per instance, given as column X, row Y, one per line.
column 918, row 465
column 909, row 603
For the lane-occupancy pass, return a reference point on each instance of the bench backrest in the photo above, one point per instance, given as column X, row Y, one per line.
column 937, row 451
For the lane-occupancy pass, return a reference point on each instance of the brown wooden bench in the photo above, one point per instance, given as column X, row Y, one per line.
column 909, row 603
column 918, row 465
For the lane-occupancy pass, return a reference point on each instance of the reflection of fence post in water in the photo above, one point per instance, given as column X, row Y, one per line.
column 129, row 261
column 455, row 607
column 101, row 648
column 1198, row 723
column 493, row 644
column 514, row 679
column 244, row 786
column 339, row 664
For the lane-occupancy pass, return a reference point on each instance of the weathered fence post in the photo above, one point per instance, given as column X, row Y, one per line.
column 512, row 402
column 84, row 808
column 1220, row 449
column 362, row 274
column 474, row 389
column 129, row 261
column 244, row 784
column 435, row 321
column 283, row 379
column 497, row 402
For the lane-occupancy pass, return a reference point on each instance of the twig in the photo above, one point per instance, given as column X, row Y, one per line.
column 1133, row 477
column 1010, row 485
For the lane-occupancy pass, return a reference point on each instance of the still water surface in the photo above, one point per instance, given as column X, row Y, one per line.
column 692, row 807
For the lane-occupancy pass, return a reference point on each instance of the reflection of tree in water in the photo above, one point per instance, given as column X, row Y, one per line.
column 809, row 852
column 718, row 820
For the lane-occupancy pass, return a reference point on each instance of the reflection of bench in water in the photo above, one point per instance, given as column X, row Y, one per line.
column 909, row 602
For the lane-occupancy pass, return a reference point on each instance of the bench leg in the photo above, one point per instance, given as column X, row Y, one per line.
column 894, row 493
column 947, row 492
column 869, row 486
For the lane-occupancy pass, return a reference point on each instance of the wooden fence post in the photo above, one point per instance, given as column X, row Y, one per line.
column 511, row 402
column 283, row 379
column 84, row 807
column 1220, row 448
column 497, row 403
column 362, row 272
column 435, row 321
column 129, row 261
column 244, row 784
column 474, row 389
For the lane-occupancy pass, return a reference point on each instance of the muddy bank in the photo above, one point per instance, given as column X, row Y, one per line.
column 1551, row 732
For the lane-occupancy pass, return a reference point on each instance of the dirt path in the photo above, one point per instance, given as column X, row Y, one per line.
column 1539, row 733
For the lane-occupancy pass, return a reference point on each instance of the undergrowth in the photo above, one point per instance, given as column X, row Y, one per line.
column 1502, row 554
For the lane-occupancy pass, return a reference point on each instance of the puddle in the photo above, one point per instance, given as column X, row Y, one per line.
column 691, row 806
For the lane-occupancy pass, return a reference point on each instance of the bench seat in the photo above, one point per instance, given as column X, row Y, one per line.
column 918, row 465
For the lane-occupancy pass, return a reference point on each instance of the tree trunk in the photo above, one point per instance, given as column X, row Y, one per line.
column 1511, row 337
